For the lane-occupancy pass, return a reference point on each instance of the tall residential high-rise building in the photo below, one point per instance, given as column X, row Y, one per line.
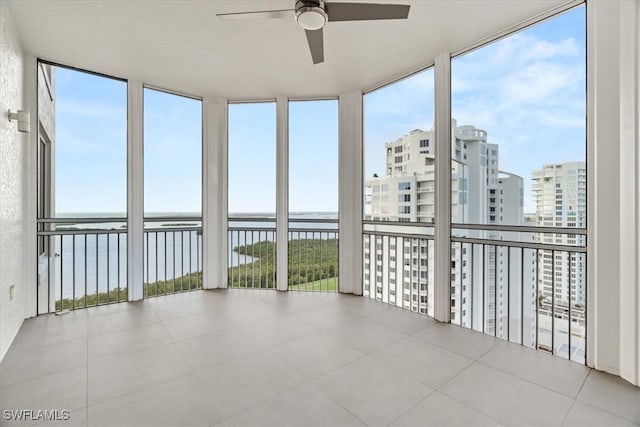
column 481, row 194
column 561, row 201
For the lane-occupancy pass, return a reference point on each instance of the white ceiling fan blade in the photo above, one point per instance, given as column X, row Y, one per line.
column 262, row 14
column 316, row 45
column 366, row 11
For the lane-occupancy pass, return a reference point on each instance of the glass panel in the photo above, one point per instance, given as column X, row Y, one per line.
column 172, row 193
column 252, row 195
column 172, row 154
column 90, row 144
column 519, row 159
column 399, row 187
column 519, row 145
column 313, row 195
column 399, row 150
column 82, row 176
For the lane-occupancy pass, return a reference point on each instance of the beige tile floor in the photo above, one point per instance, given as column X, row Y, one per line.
column 266, row 358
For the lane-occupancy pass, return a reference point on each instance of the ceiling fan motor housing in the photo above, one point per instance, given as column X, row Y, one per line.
column 311, row 14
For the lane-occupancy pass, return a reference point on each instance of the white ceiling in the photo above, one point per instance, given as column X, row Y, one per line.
column 182, row 46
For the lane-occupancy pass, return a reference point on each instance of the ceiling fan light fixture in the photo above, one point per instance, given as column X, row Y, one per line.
column 311, row 15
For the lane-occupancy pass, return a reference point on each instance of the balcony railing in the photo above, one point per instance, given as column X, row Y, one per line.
column 398, row 264
column 252, row 253
column 172, row 255
column 521, row 284
column 518, row 285
column 313, row 255
column 82, row 262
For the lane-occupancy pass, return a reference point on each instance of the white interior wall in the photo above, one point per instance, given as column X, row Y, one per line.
column 13, row 175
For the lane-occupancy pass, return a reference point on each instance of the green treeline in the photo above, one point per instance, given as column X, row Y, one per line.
column 313, row 266
column 310, row 260
column 161, row 287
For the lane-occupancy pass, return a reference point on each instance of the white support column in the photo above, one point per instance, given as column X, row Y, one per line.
column 629, row 203
column 442, row 262
column 135, row 191
column 350, row 199
column 214, row 193
column 282, row 192
column 613, row 303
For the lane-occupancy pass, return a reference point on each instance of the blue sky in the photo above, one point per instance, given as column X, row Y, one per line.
column 252, row 157
column 172, row 153
column 90, row 143
column 313, row 157
column 527, row 91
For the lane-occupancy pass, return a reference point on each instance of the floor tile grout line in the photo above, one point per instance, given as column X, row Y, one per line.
column 199, row 368
column 439, row 390
column 213, row 332
column 126, row 328
column 141, row 386
column 505, row 373
column 261, row 401
column 591, row 370
column 454, row 377
column 402, row 374
column 138, row 390
column 325, row 373
column 484, row 414
column 155, row 347
column 431, row 386
column 566, row 415
column 584, row 381
column 43, row 376
column 609, row 412
column 389, row 307
column 338, row 403
column 527, row 380
column 100, row 336
column 458, row 353
column 40, row 347
column 368, row 353
column 433, row 390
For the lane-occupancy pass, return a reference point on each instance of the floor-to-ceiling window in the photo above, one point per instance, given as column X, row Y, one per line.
column 252, row 195
column 82, row 188
column 172, row 193
column 399, row 189
column 313, row 195
column 518, row 268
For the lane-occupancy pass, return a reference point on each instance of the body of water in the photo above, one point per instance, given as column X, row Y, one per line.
column 97, row 262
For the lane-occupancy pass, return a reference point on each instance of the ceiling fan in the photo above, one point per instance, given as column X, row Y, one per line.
column 312, row 15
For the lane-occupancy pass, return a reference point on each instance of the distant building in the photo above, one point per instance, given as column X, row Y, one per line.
column 560, row 196
column 481, row 194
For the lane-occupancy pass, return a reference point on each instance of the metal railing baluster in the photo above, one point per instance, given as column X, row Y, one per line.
column 553, row 301
column 61, row 272
column 73, row 267
column 108, row 268
column 85, row 271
